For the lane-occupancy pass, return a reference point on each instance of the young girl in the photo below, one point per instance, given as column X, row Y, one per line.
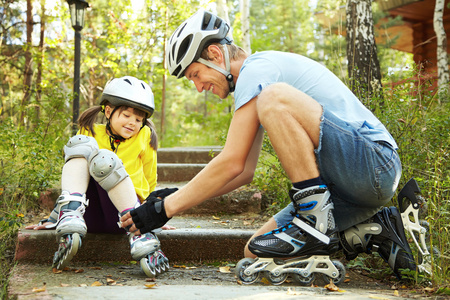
column 110, row 168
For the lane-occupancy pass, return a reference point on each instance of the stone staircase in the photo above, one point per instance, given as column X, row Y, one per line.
column 214, row 230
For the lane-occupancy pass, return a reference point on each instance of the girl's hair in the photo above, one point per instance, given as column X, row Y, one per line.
column 88, row 118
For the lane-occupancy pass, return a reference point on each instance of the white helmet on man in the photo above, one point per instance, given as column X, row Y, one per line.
column 191, row 37
column 129, row 91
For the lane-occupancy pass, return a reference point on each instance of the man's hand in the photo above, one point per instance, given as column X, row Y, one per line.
column 150, row 215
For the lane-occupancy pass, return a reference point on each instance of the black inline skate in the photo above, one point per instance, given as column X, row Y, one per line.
column 301, row 248
column 385, row 233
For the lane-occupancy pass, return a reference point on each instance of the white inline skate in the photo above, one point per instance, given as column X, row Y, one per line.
column 70, row 227
column 385, row 233
column 311, row 237
column 146, row 249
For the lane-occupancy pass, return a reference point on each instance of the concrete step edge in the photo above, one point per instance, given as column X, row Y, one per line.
column 189, row 244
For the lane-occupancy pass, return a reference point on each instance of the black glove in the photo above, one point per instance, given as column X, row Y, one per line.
column 150, row 215
column 163, row 193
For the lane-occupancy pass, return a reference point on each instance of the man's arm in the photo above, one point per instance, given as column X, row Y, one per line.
column 250, row 165
column 222, row 173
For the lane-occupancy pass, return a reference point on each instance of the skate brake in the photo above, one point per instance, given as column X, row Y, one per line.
column 410, row 204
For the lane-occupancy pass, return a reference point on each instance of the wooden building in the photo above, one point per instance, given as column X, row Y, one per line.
column 416, row 35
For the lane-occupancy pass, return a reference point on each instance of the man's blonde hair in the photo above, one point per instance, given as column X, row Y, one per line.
column 235, row 52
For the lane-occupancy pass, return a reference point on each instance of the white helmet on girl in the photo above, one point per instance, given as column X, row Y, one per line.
column 191, row 37
column 129, row 91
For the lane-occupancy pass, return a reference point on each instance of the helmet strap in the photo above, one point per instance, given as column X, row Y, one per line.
column 226, row 72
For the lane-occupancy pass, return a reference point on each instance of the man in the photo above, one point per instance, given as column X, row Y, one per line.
column 341, row 160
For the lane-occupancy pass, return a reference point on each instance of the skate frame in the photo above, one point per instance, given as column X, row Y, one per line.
column 314, row 264
column 410, row 218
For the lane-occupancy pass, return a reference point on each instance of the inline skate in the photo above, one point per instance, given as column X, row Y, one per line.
column 301, row 248
column 385, row 233
column 146, row 249
column 70, row 227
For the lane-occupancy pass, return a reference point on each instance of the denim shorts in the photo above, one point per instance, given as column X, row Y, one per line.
column 362, row 175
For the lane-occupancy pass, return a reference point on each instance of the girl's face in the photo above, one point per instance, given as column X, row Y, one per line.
column 124, row 122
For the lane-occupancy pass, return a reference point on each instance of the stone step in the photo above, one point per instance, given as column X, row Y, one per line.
column 195, row 239
column 176, row 172
column 188, row 155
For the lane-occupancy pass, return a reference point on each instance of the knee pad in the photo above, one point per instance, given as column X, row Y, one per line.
column 80, row 146
column 107, row 169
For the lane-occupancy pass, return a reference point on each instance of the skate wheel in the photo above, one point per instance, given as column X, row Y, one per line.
column 305, row 281
column 276, row 279
column 148, row 270
column 241, row 266
column 341, row 276
column 74, row 242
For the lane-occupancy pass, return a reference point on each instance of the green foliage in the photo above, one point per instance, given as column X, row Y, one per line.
column 271, row 179
column 31, row 160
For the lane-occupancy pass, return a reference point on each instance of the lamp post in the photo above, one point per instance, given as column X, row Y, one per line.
column 77, row 8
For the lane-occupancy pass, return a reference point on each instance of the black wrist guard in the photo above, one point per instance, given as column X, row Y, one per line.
column 150, row 215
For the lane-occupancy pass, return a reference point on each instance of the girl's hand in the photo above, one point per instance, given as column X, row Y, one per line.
column 46, row 225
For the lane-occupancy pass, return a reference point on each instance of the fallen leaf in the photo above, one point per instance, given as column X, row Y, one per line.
column 64, row 284
column 110, row 281
column 150, row 285
column 39, row 290
column 246, row 223
column 79, row 271
column 224, row 269
column 347, row 280
column 82, row 285
column 177, row 266
column 265, row 281
column 190, row 268
column 150, row 279
column 56, row 271
column 95, row 268
column 97, row 283
column 215, row 218
column 332, row 287
column 429, row 289
column 396, row 293
column 197, row 278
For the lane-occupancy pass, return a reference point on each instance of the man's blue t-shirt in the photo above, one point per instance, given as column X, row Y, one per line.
column 264, row 68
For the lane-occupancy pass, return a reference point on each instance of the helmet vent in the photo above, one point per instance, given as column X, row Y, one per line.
column 206, row 19
column 127, row 80
column 176, row 71
column 184, row 46
column 181, row 30
column 143, row 86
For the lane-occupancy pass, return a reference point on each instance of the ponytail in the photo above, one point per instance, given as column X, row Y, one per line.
column 88, row 117
column 153, row 135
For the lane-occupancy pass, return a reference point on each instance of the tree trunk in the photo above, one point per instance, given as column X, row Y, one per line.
column 363, row 65
column 442, row 58
column 28, row 71
column 222, row 12
column 245, row 21
column 39, row 63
